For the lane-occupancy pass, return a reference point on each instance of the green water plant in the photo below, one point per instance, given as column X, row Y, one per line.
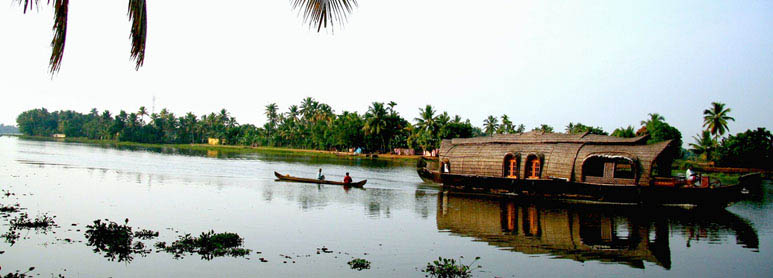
column 145, row 234
column 359, row 264
column 18, row 274
column 449, row 268
column 208, row 245
column 115, row 240
column 40, row 222
column 10, row 237
column 9, row 208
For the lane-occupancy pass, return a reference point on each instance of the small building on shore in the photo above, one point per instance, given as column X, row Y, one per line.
column 215, row 141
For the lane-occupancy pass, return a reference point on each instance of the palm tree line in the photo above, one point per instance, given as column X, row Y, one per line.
column 308, row 125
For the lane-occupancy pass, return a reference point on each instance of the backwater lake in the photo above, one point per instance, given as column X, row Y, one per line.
column 398, row 222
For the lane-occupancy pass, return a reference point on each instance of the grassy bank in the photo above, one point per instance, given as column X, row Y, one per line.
column 216, row 150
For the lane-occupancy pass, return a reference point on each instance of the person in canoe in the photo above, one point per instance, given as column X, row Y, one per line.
column 320, row 176
column 347, row 179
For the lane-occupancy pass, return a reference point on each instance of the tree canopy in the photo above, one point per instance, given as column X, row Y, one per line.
column 580, row 128
column 752, row 148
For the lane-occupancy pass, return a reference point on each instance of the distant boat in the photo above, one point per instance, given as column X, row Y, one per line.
column 317, row 181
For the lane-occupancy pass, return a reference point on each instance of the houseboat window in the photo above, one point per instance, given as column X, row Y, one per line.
column 510, row 166
column 533, row 167
column 445, row 167
column 661, row 169
column 593, row 167
column 623, row 169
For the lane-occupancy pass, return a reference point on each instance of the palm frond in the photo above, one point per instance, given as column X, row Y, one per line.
column 317, row 13
column 60, row 35
column 139, row 30
column 28, row 4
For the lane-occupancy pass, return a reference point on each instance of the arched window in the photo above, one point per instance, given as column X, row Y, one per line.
column 533, row 167
column 510, row 166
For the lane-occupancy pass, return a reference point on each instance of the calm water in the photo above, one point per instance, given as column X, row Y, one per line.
column 398, row 223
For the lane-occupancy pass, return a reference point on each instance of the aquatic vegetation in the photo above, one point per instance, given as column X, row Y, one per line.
column 11, row 237
column 115, row 240
column 208, row 245
column 40, row 222
column 145, row 234
column 11, row 208
column 359, row 264
column 449, row 268
column 6, row 193
column 18, row 274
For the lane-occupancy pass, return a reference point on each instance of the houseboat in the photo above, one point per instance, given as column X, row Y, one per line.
column 586, row 167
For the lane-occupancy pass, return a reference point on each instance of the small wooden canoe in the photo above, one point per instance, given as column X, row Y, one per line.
column 317, row 181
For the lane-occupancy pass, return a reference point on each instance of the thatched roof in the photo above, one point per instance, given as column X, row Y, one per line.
column 547, row 138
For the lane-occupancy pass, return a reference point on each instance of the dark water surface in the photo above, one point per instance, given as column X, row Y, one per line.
column 398, row 223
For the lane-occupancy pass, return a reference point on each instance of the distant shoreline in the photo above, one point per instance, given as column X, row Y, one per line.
column 228, row 148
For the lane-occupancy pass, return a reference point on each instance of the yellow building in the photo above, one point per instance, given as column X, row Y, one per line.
column 215, row 141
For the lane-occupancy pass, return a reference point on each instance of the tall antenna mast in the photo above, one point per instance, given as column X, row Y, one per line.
column 153, row 108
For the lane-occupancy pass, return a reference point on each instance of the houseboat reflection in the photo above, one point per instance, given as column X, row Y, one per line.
column 612, row 234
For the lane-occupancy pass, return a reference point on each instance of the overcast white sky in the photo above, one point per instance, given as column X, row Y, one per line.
column 602, row 63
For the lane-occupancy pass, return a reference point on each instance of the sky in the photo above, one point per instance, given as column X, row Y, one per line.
column 601, row 63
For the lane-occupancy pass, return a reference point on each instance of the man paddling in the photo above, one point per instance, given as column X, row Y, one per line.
column 347, row 179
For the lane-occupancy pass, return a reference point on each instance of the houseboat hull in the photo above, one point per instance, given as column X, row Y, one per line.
column 595, row 193
column 428, row 175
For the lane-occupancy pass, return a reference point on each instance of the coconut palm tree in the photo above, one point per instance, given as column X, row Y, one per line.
column 507, row 126
column 426, row 121
column 704, row 144
column 375, row 122
column 142, row 113
column 317, row 13
column 308, row 108
column 490, row 125
column 544, row 128
column 391, row 108
column 715, row 119
column 654, row 117
column 442, row 119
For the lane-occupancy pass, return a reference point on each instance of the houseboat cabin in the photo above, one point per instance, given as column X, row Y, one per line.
column 585, row 158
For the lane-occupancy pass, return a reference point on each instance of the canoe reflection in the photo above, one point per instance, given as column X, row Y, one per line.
column 612, row 234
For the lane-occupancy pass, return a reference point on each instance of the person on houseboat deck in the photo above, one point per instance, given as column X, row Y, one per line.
column 347, row 179
column 691, row 177
column 320, row 176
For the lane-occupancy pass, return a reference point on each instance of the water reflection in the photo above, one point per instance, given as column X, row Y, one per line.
column 624, row 235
